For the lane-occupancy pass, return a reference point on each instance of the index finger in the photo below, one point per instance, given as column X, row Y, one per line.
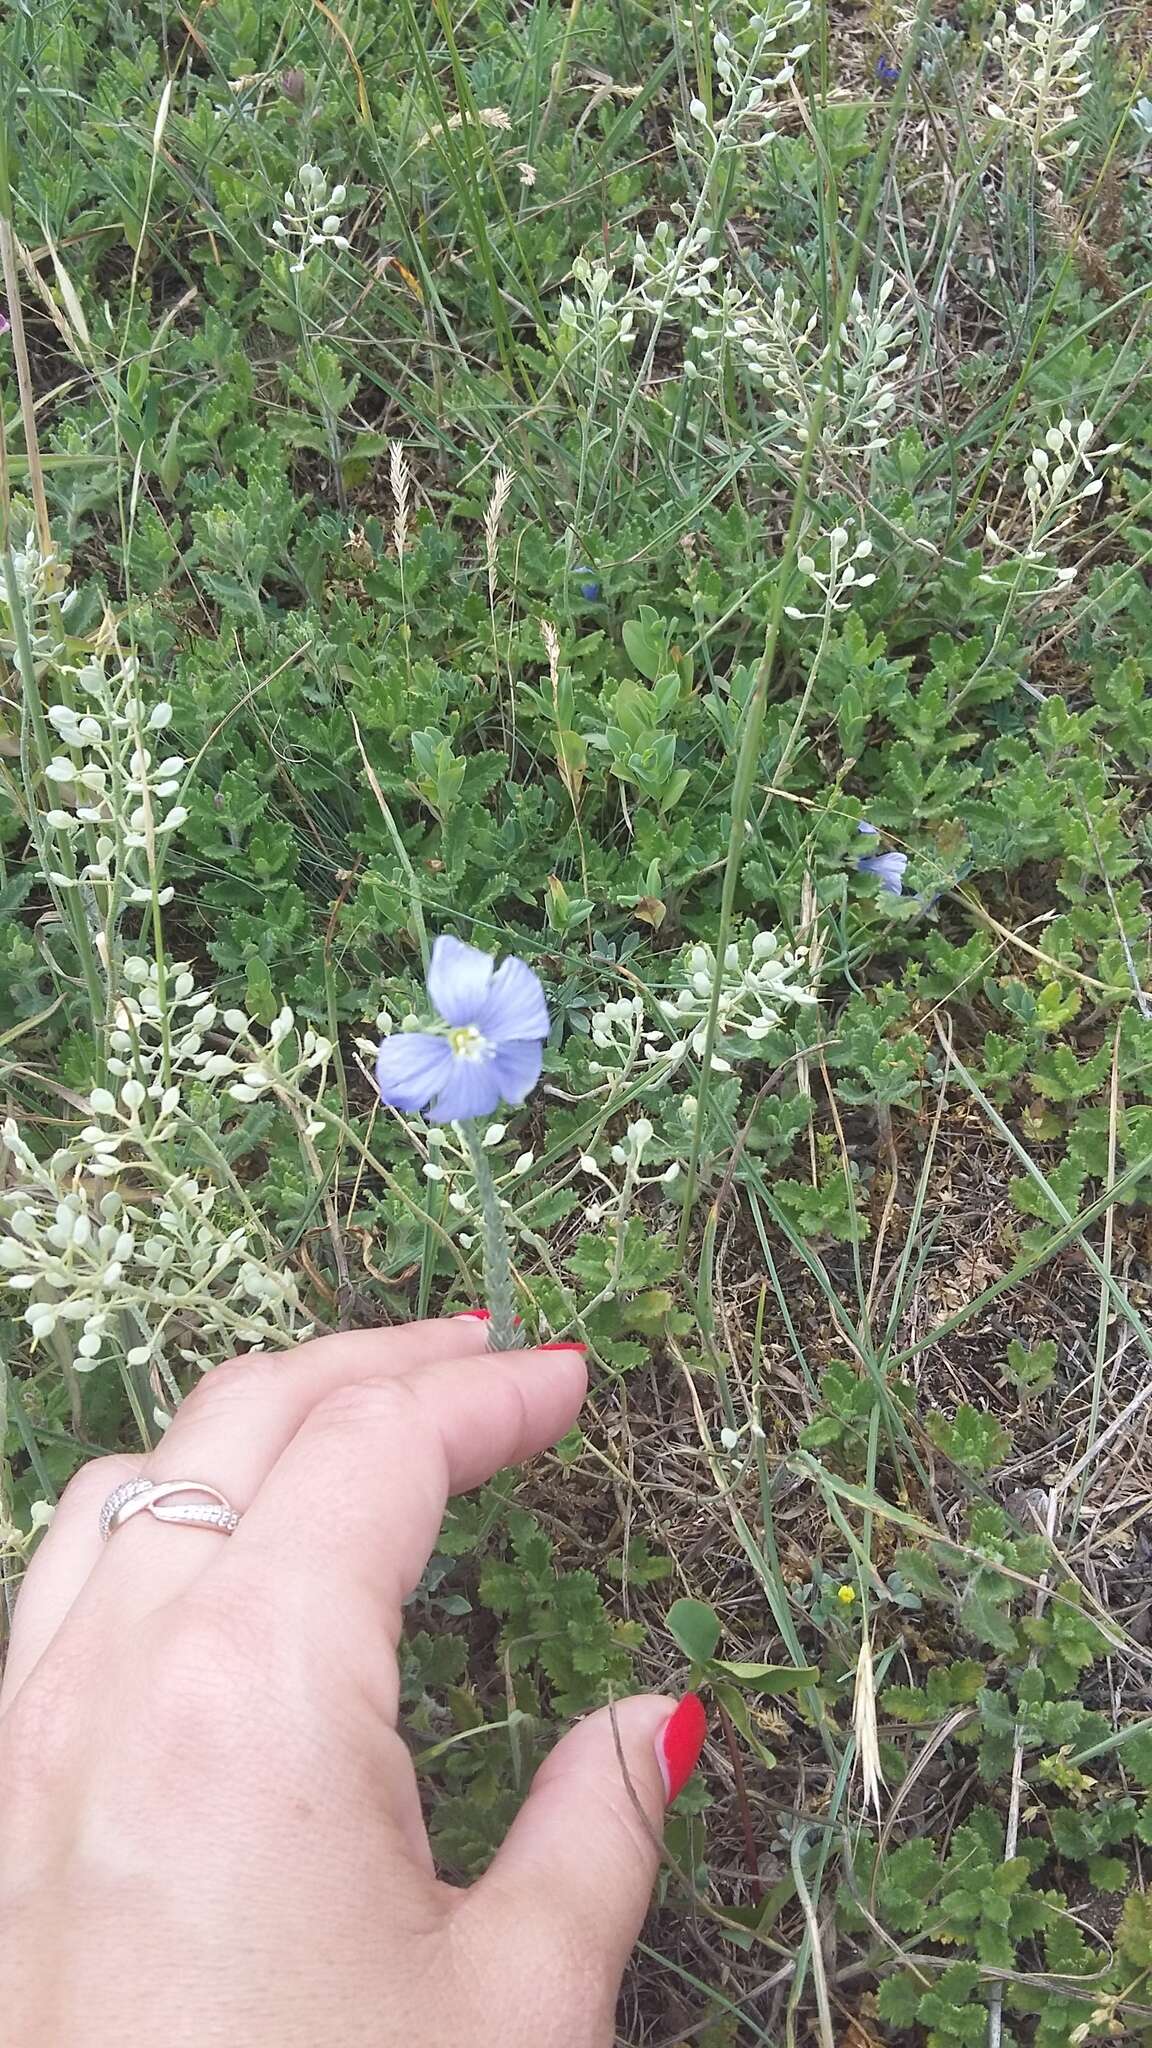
column 349, row 1515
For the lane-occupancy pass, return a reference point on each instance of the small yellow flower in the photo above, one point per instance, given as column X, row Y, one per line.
column 846, row 1595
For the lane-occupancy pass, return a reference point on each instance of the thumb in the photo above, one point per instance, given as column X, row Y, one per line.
column 577, row 1867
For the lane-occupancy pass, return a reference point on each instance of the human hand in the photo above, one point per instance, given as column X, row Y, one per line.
column 210, row 1830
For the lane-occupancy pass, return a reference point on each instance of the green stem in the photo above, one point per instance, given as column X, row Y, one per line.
column 504, row 1333
column 36, row 736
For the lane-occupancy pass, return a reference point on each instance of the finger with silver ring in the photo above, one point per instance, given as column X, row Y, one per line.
column 227, row 1436
column 230, row 1431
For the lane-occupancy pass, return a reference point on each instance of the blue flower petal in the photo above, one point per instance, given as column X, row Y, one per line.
column 471, row 1088
column 888, row 869
column 458, row 979
column 517, row 1063
column 515, row 1007
column 410, row 1067
column 864, row 826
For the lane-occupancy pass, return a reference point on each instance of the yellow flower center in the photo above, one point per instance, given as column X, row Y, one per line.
column 467, row 1043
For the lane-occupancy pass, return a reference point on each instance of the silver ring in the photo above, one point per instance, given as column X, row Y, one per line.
column 144, row 1496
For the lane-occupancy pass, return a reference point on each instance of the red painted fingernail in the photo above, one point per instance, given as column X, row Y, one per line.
column 562, row 1347
column 473, row 1315
column 679, row 1743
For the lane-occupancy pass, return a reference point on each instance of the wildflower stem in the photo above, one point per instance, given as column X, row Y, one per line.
column 24, row 385
column 415, row 905
column 35, row 736
column 499, row 1287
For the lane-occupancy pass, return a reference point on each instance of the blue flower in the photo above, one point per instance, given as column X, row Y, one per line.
column 886, row 71
column 488, row 1047
column 888, row 868
column 589, row 588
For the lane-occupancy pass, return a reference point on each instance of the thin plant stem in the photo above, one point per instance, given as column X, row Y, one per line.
column 69, row 901
column 500, row 1289
column 23, row 366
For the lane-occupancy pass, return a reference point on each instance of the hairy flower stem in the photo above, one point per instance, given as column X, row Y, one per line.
column 504, row 1333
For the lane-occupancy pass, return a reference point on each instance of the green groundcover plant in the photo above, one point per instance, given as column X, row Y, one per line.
column 638, row 516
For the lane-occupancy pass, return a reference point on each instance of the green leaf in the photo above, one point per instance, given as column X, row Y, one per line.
column 645, row 641
column 1137, row 1755
column 14, row 891
column 907, row 1881
column 952, row 2008
column 1034, row 1370
column 1133, row 1936
column 768, row 1678
column 695, row 1627
column 1108, row 1873
column 974, row 1441
column 1073, row 1833
column 921, row 1573
column 987, row 1620
column 908, row 1703
column 897, row 2000
column 822, row 1434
